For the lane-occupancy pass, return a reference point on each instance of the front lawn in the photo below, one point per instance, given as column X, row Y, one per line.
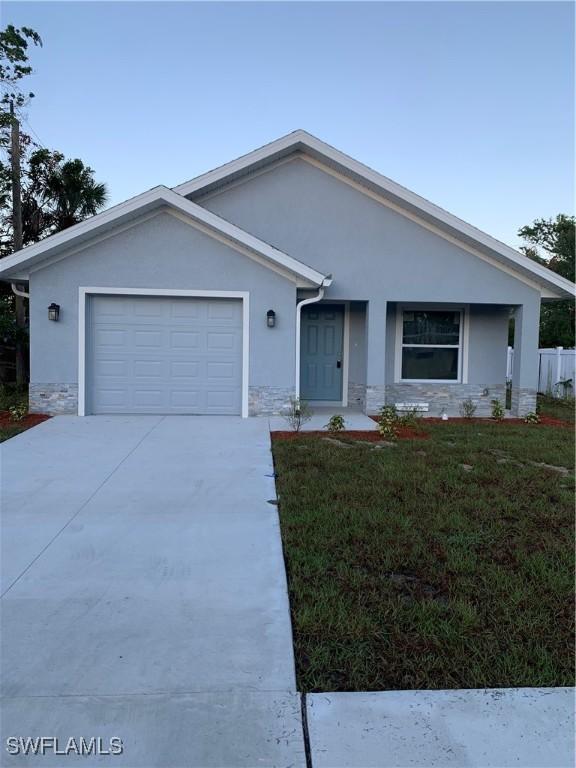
column 556, row 408
column 444, row 562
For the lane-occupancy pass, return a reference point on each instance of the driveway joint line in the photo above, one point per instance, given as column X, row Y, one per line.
column 82, row 506
column 305, row 731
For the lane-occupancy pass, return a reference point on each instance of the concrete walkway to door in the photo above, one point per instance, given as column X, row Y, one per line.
column 144, row 593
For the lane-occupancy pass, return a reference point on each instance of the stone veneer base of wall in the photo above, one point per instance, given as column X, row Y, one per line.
column 440, row 397
column 53, row 399
column 523, row 401
column 268, row 400
column 356, row 395
column 56, row 399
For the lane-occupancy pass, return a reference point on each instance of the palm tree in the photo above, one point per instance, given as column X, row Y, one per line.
column 71, row 194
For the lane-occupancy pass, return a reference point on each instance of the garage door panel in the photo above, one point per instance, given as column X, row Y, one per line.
column 185, row 369
column 218, row 370
column 185, row 340
column 187, row 398
column 149, row 368
column 220, row 340
column 113, row 368
column 151, row 308
column 223, row 310
column 219, row 399
column 110, row 337
column 147, row 398
column 185, row 309
column 113, row 398
column 165, row 355
column 148, row 338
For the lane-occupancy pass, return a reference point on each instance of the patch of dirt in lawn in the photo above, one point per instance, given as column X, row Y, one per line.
column 31, row 420
column 550, row 421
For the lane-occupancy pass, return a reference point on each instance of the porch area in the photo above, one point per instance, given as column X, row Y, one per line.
column 354, row 419
column 356, row 356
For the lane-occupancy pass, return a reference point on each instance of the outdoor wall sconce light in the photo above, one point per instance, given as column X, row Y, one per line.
column 54, row 311
column 270, row 318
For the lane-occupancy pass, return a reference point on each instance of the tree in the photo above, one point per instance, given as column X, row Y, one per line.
column 41, row 192
column 14, row 63
column 68, row 191
column 56, row 193
column 14, row 67
column 552, row 242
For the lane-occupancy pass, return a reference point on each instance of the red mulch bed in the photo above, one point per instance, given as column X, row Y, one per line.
column 547, row 421
column 28, row 421
column 371, row 436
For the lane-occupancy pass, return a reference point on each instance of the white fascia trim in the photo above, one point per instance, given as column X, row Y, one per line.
column 86, row 291
column 463, row 342
column 302, row 139
column 155, row 197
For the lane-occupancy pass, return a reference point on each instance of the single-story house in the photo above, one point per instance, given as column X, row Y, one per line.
column 293, row 271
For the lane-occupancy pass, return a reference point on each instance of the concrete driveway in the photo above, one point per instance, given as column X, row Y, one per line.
column 144, row 593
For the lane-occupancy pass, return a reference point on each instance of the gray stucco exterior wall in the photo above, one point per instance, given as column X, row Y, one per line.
column 161, row 252
column 378, row 257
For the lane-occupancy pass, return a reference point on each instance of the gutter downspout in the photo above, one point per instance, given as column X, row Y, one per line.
column 18, row 292
column 324, row 284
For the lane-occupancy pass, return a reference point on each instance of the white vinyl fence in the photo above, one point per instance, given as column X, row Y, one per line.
column 555, row 365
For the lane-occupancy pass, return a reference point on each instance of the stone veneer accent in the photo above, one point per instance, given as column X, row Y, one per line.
column 446, row 397
column 375, row 398
column 268, row 400
column 54, row 399
column 523, row 401
column 356, row 395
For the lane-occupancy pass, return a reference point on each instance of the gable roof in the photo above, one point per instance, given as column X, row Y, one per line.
column 18, row 265
column 553, row 285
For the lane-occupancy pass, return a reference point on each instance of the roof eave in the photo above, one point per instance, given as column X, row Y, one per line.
column 18, row 264
column 428, row 211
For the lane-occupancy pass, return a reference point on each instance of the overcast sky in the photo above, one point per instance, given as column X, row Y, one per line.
column 468, row 104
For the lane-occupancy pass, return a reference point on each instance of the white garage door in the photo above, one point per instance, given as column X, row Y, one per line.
column 150, row 354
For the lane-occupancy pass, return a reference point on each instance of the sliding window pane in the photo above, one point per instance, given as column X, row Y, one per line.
column 422, row 363
column 431, row 327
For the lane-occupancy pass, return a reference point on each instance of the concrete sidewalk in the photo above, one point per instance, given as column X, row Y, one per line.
column 354, row 419
column 497, row 728
column 146, row 594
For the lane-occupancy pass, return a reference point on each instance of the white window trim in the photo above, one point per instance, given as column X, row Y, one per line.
column 86, row 292
column 463, row 346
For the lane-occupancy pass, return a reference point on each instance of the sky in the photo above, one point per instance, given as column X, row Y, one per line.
column 470, row 104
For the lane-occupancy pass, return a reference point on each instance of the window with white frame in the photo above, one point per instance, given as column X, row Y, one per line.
column 431, row 344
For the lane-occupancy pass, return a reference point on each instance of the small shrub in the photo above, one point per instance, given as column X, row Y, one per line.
column 297, row 413
column 532, row 418
column 564, row 388
column 12, row 394
column 497, row 410
column 388, row 422
column 18, row 411
column 467, row 408
column 409, row 417
column 336, row 423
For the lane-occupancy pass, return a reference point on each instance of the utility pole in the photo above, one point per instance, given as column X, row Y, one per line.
column 19, row 306
column 16, row 188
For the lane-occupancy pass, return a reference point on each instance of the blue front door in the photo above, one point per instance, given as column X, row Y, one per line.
column 321, row 352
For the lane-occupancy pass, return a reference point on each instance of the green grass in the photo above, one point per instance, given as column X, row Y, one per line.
column 7, row 432
column 407, row 571
column 556, row 408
